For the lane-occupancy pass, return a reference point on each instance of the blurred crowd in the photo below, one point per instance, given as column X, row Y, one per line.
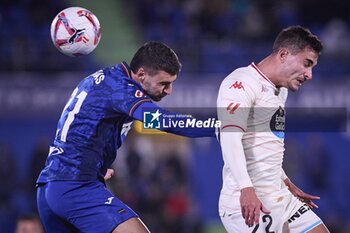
column 209, row 36
column 17, row 193
column 217, row 36
column 151, row 176
column 25, row 42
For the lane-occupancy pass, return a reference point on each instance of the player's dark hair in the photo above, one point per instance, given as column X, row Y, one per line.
column 156, row 56
column 296, row 39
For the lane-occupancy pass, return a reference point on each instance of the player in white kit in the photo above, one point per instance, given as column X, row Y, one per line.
column 257, row 196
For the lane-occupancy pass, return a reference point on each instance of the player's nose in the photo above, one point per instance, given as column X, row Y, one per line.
column 308, row 75
column 168, row 90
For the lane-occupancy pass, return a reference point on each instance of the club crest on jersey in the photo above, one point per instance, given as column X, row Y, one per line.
column 237, row 85
column 277, row 123
column 139, row 94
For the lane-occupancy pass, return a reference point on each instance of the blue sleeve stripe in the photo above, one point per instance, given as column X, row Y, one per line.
column 131, row 112
column 312, row 226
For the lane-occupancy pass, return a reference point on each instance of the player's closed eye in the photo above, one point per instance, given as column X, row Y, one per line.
column 308, row 63
column 166, row 84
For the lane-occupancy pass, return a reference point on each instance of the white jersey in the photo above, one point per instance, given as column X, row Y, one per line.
column 252, row 112
column 249, row 103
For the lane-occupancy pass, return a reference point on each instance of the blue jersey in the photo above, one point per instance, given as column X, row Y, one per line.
column 93, row 125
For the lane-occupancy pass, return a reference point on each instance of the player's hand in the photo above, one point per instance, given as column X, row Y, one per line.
column 109, row 174
column 251, row 206
column 303, row 197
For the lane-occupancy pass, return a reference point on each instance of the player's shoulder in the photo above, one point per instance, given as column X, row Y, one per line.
column 115, row 73
column 241, row 77
column 244, row 74
column 114, row 77
column 119, row 79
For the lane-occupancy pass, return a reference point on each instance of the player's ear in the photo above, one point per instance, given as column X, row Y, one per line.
column 141, row 74
column 282, row 54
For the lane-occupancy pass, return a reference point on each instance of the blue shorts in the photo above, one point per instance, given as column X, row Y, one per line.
column 72, row 206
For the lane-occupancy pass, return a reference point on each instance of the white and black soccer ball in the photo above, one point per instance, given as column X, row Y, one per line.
column 75, row 31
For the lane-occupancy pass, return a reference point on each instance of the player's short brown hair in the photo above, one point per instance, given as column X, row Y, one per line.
column 296, row 39
column 155, row 56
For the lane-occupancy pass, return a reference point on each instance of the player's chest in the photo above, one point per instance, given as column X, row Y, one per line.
column 270, row 98
column 268, row 113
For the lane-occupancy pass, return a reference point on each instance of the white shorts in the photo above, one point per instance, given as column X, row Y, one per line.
column 287, row 215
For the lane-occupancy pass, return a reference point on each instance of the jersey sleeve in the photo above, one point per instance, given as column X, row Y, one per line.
column 187, row 131
column 235, row 99
column 236, row 96
column 234, row 158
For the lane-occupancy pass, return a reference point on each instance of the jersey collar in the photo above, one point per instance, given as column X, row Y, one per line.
column 126, row 69
column 262, row 74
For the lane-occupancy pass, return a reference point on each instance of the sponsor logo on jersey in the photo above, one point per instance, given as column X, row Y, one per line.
column 302, row 210
column 109, row 200
column 139, row 94
column 232, row 107
column 237, row 85
column 277, row 122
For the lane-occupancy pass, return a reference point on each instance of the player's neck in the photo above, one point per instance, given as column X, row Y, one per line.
column 135, row 77
column 268, row 67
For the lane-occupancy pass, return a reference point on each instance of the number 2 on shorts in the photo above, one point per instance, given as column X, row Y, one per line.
column 265, row 218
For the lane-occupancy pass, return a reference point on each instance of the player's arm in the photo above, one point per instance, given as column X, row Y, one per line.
column 234, row 157
column 233, row 110
column 132, row 102
column 304, row 197
column 192, row 132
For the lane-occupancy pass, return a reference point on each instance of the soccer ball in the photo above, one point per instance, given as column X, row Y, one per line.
column 75, row 31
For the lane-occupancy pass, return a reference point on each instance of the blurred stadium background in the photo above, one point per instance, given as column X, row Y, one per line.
column 172, row 182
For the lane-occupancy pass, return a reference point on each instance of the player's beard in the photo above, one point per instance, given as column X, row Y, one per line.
column 156, row 98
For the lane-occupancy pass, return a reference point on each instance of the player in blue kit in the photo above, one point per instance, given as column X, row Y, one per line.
column 71, row 194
